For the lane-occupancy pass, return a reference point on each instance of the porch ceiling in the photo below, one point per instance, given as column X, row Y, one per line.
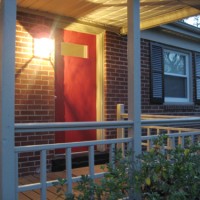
column 113, row 13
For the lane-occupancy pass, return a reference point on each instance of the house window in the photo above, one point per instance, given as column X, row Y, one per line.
column 171, row 75
column 176, row 76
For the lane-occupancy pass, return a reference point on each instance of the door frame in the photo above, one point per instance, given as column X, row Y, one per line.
column 100, row 33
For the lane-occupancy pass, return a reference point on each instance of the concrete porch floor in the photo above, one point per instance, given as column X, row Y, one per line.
column 51, row 191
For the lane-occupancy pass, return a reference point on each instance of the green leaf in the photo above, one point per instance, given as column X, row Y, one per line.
column 148, row 181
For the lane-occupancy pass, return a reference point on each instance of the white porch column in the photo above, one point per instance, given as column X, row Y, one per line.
column 7, row 82
column 134, row 80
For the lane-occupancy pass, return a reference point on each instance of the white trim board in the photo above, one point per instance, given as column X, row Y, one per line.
column 170, row 39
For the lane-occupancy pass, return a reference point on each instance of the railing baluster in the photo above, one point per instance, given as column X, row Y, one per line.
column 43, row 174
column 179, row 138
column 16, row 176
column 168, row 140
column 68, row 163
column 91, row 161
column 163, row 148
column 150, row 143
column 182, row 141
column 129, row 146
column 192, row 139
column 173, row 142
column 112, row 153
column 148, row 134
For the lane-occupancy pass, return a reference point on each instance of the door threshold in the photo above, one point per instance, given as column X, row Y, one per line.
column 79, row 159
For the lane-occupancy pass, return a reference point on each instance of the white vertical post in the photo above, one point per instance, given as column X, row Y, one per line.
column 68, row 163
column 16, row 176
column 7, row 85
column 134, row 80
column 111, row 153
column 43, row 174
column 91, row 161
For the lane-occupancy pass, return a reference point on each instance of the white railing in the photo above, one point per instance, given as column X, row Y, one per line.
column 120, row 141
column 67, row 146
column 172, row 139
column 152, row 127
column 47, row 127
column 149, row 133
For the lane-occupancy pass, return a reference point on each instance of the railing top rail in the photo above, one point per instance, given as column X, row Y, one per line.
column 70, row 145
column 151, row 116
column 171, row 128
column 176, row 121
column 147, row 116
column 171, row 135
column 64, row 126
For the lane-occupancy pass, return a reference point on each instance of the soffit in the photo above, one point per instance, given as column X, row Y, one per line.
column 113, row 13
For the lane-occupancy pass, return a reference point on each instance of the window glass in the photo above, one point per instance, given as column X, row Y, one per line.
column 175, row 87
column 176, row 76
column 174, row 63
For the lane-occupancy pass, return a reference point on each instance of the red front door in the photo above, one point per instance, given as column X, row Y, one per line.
column 75, row 83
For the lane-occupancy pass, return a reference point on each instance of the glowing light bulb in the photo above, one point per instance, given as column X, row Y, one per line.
column 43, row 47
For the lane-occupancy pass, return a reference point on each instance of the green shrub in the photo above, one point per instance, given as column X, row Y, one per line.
column 115, row 184
column 157, row 175
column 170, row 175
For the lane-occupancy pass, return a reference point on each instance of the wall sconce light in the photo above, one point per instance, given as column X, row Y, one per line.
column 43, row 47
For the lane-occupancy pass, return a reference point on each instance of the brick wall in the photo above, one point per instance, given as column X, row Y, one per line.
column 116, row 81
column 115, row 77
column 34, row 94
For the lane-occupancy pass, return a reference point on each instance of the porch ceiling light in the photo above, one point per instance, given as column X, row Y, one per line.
column 43, row 47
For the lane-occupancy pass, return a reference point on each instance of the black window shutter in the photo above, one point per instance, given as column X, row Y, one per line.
column 197, row 78
column 157, row 74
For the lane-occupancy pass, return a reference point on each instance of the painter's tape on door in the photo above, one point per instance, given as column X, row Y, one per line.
column 76, row 50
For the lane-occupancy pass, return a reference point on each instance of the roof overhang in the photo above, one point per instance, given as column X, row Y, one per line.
column 113, row 13
column 182, row 29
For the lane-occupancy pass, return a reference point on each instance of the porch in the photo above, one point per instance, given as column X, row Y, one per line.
column 31, row 186
column 41, row 185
